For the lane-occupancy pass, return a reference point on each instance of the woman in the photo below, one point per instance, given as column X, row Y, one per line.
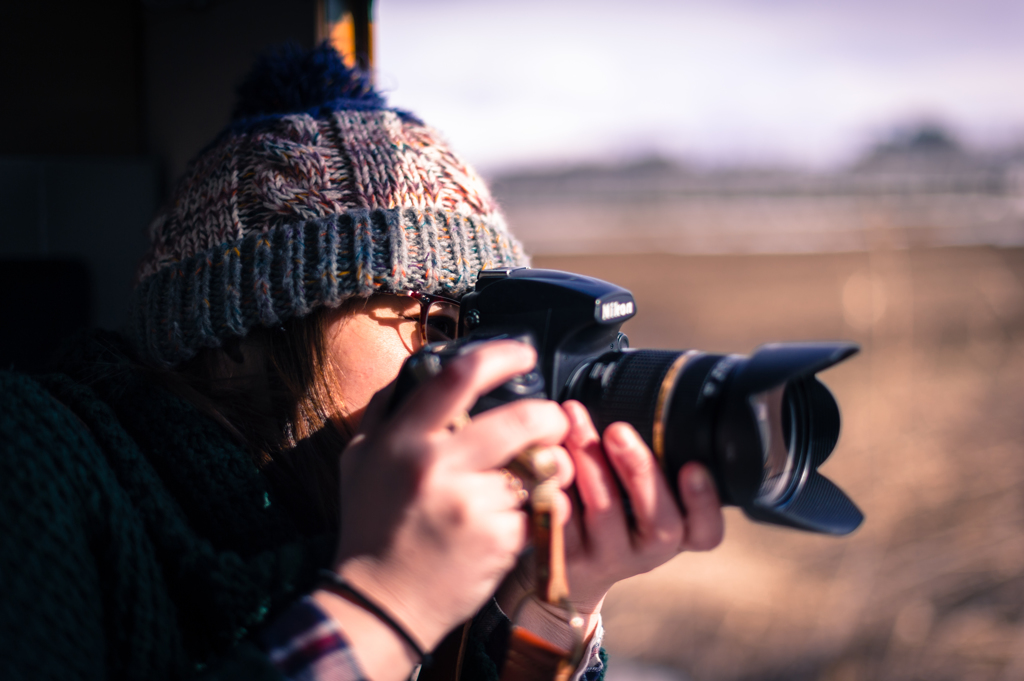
column 167, row 500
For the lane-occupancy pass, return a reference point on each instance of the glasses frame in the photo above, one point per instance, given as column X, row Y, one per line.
column 426, row 300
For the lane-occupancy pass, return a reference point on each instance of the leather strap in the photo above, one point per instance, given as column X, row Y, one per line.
column 530, row 657
column 549, row 545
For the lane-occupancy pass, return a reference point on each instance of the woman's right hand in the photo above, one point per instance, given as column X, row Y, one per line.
column 429, row 525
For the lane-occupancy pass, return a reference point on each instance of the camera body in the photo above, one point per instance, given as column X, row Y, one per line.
column 761, row 424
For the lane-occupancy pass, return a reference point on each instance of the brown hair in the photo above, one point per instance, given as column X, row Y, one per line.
column 275, row 392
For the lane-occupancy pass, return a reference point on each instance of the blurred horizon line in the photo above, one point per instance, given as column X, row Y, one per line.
column 920, row 189
column 924, row 139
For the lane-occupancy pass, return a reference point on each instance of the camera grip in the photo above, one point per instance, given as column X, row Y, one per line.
column 430, row 360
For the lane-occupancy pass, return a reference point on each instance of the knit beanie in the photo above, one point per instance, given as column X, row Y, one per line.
column 317, row 191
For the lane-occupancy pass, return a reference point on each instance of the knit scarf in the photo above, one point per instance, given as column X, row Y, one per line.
column 193, row 547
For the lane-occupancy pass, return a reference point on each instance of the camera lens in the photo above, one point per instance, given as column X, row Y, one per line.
column 773, row 411
column 761, row 424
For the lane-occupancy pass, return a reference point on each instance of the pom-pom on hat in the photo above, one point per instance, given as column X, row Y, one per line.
column 316, row 191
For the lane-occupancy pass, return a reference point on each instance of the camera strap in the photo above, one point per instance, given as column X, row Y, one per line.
column 531, row 657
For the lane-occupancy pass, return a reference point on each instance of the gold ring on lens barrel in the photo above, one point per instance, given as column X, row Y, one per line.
column 664, row 395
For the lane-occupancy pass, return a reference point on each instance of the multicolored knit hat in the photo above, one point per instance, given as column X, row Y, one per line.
column 316, row 192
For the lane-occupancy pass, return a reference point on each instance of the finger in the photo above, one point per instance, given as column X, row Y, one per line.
column 566, row 470
column 604, row 517
column 705, row 525
column 655, row 513
column 498, row 435
column 583, row 434
column 575, row 539
column 441, row 400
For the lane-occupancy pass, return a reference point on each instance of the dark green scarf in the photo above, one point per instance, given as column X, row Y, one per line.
column 137, row 540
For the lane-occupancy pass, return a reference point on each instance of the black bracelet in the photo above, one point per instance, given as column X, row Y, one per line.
column 334, row 582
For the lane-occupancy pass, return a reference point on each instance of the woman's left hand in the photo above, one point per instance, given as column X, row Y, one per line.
column 603, row 545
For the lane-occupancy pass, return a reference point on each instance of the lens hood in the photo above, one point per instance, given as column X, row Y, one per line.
column 808, row 500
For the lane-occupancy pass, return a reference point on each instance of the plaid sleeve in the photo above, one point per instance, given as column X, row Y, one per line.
column 597, row 666
column 595, row 659
column 307, row 645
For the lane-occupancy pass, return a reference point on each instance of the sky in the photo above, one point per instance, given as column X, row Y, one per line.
column 715, row 82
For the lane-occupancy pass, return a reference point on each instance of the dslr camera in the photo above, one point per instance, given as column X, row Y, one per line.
column 762, row 424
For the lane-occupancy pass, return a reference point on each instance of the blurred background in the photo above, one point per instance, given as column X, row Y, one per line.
column 752, row 171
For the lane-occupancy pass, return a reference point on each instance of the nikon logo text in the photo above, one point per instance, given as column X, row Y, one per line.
column 615, row 309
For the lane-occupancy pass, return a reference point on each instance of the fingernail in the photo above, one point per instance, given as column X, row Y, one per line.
column 698, row 481
column 617, row 437
column 571, row 414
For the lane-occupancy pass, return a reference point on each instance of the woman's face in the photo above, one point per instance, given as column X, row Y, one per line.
column 368, row 343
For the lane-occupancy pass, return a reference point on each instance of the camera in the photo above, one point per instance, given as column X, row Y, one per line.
column 762, row 424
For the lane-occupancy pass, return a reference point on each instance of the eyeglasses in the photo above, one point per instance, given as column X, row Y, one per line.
column 439, row 316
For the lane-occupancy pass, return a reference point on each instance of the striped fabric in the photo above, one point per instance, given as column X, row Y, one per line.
column 306, row 645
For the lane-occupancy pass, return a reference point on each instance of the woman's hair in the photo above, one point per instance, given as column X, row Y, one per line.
column 275, row 392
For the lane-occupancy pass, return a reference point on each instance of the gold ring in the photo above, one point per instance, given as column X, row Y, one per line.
column 515, row 484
